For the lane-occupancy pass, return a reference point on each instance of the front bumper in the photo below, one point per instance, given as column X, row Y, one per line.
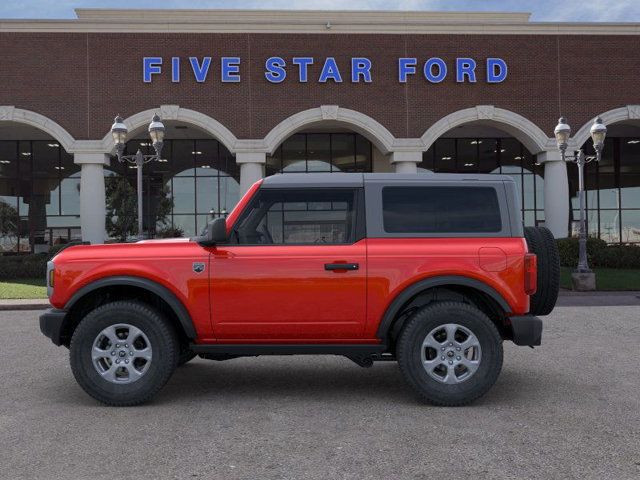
column 527, row 330
column 51, row 323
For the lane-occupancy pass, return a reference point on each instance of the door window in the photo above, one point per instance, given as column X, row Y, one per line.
column 299, row 217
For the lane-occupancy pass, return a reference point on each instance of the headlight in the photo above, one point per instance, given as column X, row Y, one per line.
column 50, row 277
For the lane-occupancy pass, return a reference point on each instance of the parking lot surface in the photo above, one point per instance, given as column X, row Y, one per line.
column 568, row 409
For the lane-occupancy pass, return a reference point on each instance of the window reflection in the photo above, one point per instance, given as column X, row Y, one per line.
column 321, row 152
column 39, row 196
column 612, row 191
column 199, row 178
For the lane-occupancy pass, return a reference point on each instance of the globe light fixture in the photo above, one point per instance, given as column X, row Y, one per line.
column 156, row 132
column 583, row 277
column 562, row 133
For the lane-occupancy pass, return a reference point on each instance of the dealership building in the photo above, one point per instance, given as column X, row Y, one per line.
column 244, row 94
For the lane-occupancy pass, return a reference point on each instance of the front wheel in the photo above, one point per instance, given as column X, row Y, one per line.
column 123, row 352
column 450, row 353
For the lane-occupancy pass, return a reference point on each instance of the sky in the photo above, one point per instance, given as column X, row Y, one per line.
column 542, row 10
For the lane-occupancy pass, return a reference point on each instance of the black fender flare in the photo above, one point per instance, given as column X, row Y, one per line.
column 161, row 291
column 415, row 288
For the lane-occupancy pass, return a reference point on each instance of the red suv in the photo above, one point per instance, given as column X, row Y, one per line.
column 432, row 271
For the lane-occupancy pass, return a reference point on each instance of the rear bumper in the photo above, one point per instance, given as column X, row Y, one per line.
column 51, row 323
column 527, row 330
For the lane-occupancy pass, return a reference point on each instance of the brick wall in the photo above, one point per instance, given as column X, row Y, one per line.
column 82, row 80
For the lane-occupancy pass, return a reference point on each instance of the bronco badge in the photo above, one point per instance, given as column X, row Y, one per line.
column 198, row 267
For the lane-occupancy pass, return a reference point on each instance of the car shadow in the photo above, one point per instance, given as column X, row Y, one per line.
column 326, row 381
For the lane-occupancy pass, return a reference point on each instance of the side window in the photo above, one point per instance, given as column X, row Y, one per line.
column 441, row 210
column 299, row 217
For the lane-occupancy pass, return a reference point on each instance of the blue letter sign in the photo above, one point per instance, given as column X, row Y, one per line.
column 434, row 69
column 150, row 66
column 496, row 70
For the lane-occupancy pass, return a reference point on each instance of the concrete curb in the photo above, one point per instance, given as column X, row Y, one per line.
column 28, row 304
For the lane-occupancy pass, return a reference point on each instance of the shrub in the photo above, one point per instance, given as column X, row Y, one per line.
column 23, row 266
column 170, row 232
column 569, row 249
column 619, row 256
column 599, row 254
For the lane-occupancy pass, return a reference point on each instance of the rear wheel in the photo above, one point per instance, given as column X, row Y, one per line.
column 450, row 353
column 123, row 352
column 540, row 241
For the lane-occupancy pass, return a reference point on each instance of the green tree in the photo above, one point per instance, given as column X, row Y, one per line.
column 9, row 223
column 122, row 208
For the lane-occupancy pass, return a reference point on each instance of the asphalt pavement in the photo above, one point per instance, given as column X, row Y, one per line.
column 568, row 409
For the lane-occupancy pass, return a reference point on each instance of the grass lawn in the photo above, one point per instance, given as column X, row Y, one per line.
column 23, row 288
column 607, row 278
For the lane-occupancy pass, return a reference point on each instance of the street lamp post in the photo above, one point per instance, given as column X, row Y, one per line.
column 156, row 132
column 562, row 133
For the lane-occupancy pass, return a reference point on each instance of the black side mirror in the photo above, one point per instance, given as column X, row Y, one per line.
column 216, row 232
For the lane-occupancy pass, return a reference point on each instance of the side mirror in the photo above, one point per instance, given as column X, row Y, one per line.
column 216, row 232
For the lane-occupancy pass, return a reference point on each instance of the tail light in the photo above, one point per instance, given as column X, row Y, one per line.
column 530, row 273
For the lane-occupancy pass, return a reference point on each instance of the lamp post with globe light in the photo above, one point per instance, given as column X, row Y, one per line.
column 156, row 132
column 583, row 277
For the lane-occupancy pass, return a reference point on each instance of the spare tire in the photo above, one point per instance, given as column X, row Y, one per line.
column 541, row 242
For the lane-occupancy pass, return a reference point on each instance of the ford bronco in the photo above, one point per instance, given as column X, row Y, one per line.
column 433, row 271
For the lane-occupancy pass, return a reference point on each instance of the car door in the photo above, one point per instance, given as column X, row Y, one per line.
column 294, row 269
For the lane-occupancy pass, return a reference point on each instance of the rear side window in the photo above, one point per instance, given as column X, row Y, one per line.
column 440, row 210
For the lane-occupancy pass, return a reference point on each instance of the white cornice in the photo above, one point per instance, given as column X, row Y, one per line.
column 302, row 21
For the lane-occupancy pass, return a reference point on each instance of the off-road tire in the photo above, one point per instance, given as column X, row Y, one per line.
column 540, row 241
column 163, row 341
column 409, row 345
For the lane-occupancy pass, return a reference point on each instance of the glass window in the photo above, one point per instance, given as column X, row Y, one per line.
column 343, row 150
column 309, row 217
column 8, row 159
column 445, row 160
column 364, row 154
column 318, row 152
column 294, row 154
column 440, row 210
column 184, row 157
column 488, row 153
column 631, row 226
column 467, row 154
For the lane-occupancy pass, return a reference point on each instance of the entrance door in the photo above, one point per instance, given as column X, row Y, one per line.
column 295, row 269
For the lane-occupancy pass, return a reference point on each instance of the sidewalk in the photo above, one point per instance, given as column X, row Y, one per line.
column 567, row 298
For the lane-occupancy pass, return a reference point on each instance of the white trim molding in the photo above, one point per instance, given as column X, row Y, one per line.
column 312, row 21
column 374, row 131
column 512, row 123
column 177, row 113
column 617, row 115
column 9, row 113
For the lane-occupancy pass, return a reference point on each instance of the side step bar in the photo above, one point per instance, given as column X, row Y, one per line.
column 349, row 350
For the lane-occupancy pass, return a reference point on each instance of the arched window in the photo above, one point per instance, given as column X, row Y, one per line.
column 39, row 195
column 198, row 177
column 499, row 155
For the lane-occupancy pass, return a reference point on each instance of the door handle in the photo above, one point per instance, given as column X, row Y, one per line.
column 341, row 266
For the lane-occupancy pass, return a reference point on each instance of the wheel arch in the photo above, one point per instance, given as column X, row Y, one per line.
column 126, row 287
column 482, row 295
